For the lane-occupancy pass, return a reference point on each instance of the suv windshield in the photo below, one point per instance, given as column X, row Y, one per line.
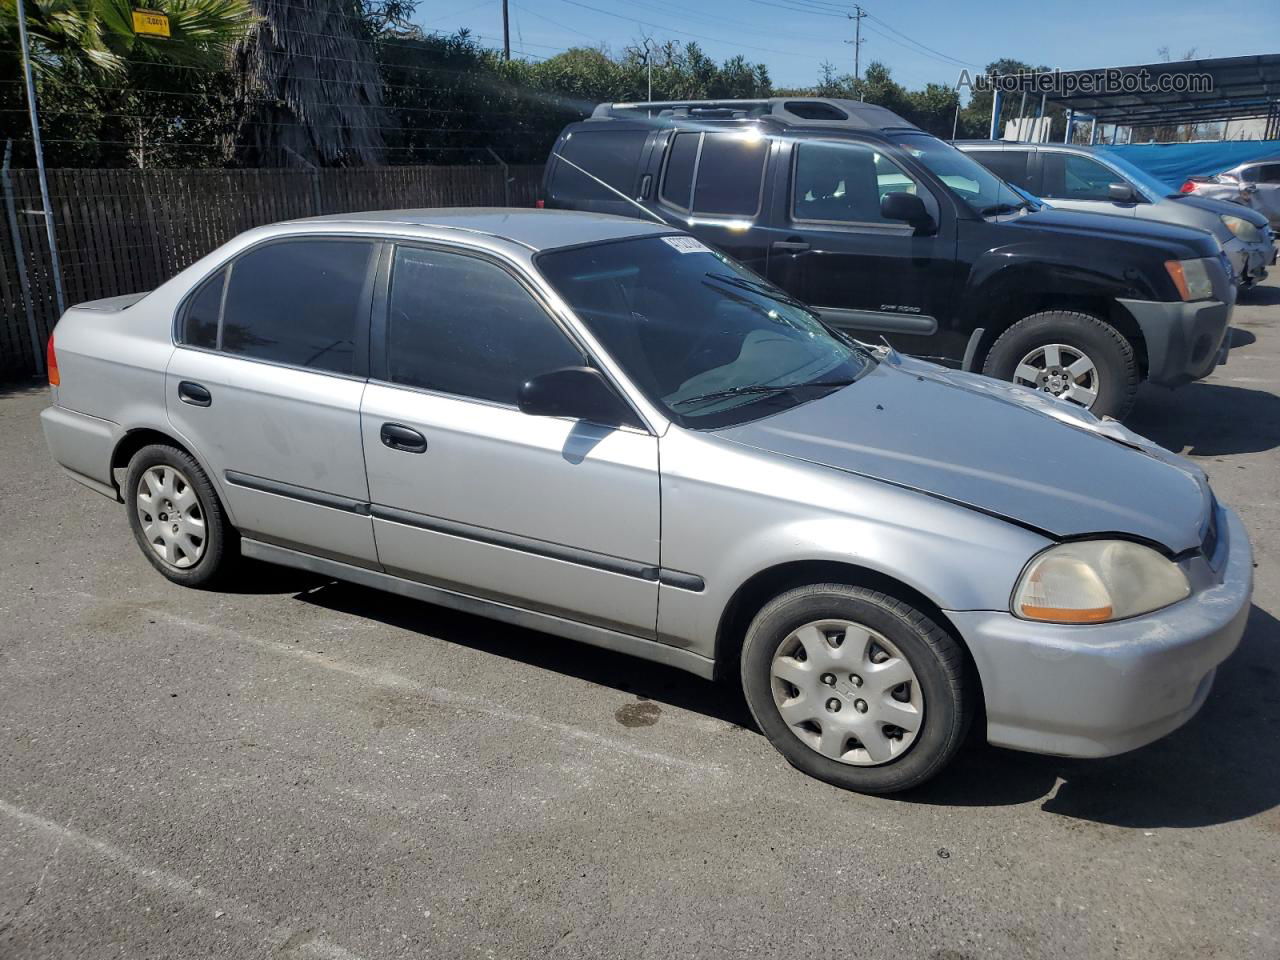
column 969, row 180
column 706, row 339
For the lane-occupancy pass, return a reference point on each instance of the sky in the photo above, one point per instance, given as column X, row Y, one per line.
column 921, row 41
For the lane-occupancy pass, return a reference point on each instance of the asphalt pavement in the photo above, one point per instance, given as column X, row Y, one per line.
column 300, row 768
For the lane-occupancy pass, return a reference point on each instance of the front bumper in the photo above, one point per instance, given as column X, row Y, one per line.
column 1183, row 340
column 1082, row 691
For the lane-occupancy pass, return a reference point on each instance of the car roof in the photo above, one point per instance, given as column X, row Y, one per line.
column 813, row 112
column 530, row 228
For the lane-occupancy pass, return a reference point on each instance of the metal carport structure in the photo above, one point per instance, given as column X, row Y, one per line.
column 1229, row 88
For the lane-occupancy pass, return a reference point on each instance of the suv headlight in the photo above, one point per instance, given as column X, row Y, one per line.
column 1191, row 277
column 1094, row 581
column 1242, row 228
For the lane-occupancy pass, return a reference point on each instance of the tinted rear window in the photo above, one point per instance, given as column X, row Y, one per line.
column 609, row 155
column 729, row 174
column 1009, row 165
column 200, row 320
column 677, row 181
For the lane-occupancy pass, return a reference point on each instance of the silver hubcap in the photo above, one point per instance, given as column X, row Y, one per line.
column 847, row 692
column 1061, row 370
column 172, row 520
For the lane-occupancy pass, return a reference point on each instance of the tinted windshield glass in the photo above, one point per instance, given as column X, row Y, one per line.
column 1152, row 184
column 968, row 179
column 706, row 339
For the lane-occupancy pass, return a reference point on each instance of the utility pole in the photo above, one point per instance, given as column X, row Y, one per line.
column 506, row 32
column 39, row 151
column 857, row 42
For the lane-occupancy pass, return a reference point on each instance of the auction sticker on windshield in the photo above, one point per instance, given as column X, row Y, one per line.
column 687, row 244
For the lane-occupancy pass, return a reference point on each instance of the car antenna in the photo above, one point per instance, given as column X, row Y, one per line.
column 611, row 187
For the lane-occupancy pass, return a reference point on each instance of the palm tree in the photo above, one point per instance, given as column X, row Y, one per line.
column 309, row 85
column 67, row 35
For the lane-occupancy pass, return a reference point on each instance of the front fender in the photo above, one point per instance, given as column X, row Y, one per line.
column 730, row 512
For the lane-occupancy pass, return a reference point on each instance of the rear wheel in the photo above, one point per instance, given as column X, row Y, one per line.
column 1073, row 356
column 176, row 516
column 855, row 687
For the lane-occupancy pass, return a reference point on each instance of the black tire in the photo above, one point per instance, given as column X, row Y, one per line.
column 936, row 658
column 220, row 544
column 1111, row 353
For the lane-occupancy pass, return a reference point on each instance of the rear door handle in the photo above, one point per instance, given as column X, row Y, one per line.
column 790, row 245
column 399, row 437
column 194, row 394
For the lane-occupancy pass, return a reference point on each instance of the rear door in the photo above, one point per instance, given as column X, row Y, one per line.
column 266, row 384
column 712, row 183
column 1010, row 164
column 1266, row 198
column 832, row 249
column 1070, row 181
column 468, row 493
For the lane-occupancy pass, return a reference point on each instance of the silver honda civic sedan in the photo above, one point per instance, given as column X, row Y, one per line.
column 602, row 429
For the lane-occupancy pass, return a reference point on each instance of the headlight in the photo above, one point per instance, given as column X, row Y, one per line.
column 1093, row 581
column 1191, row 277
column 1242, row 228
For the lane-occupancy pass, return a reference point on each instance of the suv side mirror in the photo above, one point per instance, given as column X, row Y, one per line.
column 908, row 208
column 578, row 392
column 1120, row 193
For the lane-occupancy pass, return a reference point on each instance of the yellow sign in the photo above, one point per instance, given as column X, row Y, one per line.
column 151, row 23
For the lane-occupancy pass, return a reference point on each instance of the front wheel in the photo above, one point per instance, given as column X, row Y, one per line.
column 855, row 687
column 1073, row 356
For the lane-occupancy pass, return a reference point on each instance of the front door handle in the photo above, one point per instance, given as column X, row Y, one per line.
column 399, row 437
column 194, row 394
column 791, row 245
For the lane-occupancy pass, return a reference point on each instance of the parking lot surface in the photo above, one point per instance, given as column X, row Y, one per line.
column 300, row 768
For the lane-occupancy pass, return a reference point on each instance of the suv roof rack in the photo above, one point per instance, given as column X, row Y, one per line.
column 789, row 111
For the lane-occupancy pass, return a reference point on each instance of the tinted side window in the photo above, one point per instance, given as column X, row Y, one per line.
column 610, row 155
column 1069, row 177
column 1009, row 165
column 464, row 326
column 297, row 302
column 200, row 320
column 677, row 179
column 844, row 182
column 1269, row 173
column 729, row 175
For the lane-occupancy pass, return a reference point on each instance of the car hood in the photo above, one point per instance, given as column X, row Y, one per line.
column 998, row 448
column 1221, row 208
column 1184, row 241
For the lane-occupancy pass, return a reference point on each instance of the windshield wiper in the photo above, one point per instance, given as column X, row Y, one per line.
column 761, row 388
column 1004, row 208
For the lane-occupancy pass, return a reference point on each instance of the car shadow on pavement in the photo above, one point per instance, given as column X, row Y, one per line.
column 1258, row 296
column 646, row 680
column 1224, row 765
column 1208, row 419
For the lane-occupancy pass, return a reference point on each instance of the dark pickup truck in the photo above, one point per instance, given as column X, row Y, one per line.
column 889, row 231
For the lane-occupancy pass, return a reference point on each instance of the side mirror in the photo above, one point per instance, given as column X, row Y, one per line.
column 908, row 208
column 1120, row 193
column 578, row 392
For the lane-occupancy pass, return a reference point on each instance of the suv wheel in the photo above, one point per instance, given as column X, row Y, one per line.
column 176, row 516
column 1074, row 356
column 856, row 688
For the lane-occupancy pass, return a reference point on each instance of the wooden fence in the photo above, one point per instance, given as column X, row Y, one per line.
column 122, row 231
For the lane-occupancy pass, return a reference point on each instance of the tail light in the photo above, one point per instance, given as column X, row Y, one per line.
column 540, row 204
column 1188, row 187
column 51, row 364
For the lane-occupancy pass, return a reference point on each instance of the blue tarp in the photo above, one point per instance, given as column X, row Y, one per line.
column 1174, row 162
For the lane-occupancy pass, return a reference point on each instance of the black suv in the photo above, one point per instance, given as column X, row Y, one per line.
column 889, row 231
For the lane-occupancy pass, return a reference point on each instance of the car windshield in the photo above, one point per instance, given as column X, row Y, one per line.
column 706, row 339
column 977, row 186
column 1153, row 185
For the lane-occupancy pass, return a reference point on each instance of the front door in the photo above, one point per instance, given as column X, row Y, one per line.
column 867, row 275
column 266, row 385
column 1072, row 182
column 468, row 493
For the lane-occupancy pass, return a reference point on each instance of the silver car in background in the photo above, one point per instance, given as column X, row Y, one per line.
column 1071, row 177
column 1255, row 184
column 602, row 429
